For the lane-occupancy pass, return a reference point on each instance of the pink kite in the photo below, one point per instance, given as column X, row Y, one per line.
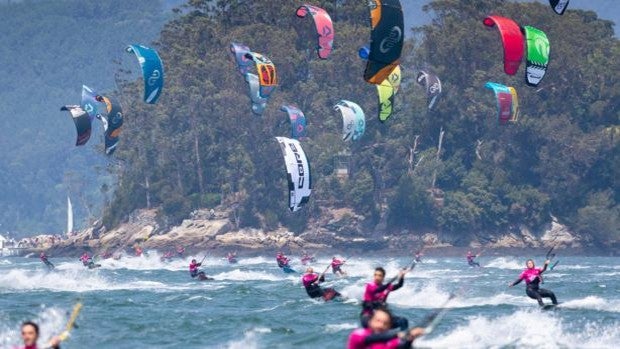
column 324, row 28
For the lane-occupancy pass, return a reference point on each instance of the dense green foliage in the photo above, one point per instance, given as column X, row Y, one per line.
column 201, row 144
column 48, row 49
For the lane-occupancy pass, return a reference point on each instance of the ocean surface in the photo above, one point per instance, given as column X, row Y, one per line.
column 141, row 302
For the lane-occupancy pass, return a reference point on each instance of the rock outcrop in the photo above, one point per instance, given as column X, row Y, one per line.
column 338, row 229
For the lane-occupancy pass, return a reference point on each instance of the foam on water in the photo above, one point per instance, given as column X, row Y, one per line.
column 524, row 329
column 74, row 280
column 486, row 314
column 333, row 328
column 152, row 261
column 240, row 275
column 249, row 340
column 572, row 267
column 50, row 320
column 255, row 260
column 505, row 263
column 593, row 302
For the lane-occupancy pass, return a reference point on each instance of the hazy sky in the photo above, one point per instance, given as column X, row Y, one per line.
column 606, row 9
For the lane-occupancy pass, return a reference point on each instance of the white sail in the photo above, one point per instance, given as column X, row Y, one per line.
column 69, row 216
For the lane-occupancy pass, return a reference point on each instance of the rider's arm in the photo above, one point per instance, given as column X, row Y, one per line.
column 382, row 288
column 400, row 283
column 544, row 268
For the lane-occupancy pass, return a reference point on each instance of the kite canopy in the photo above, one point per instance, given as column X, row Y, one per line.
column 152, row 71
column 244, row 65
column 512, row 39
column 298, row 121
column 559, row 6
column 298, row 172
column 507, row 102
column 433, row 86
column 323, row 25
column 537, row 58
column 112, row 123
column 353, row 120
column 386, row 92
column 258, row 103
column 386, row 39
column 90, row 103
column 267, row 77
column 82, row 122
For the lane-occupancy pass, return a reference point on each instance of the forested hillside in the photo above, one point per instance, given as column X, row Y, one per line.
column 48, row 49
column 201, row 146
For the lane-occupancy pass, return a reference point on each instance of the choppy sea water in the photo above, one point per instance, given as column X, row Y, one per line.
column 141, row 302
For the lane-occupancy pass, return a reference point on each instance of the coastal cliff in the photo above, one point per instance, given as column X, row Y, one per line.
column 338, row 230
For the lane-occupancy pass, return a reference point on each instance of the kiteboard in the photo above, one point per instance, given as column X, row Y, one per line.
column 329, row 294
column 549, row 307
column 288, row 269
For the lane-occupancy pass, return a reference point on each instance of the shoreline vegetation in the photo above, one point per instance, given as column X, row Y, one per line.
column 446, row 176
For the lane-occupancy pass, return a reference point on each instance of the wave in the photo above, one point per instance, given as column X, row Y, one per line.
column 76, row 280
column 593, row 302
column 505, row 263
column 241, row 275
column 249, row 340
column 334, row 328
column 524, row 329
column 150, row 261
column 430, row 295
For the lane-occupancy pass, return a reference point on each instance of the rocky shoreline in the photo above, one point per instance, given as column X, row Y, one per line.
column 341, row 233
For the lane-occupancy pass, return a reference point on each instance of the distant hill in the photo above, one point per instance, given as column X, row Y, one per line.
column 48, row 49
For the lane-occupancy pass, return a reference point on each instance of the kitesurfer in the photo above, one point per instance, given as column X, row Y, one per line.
column 306, row 258
column 418, row 257
column 84, row 259
column 138, row 250
column 311, row 282
column 180, row 251
column 45, row 261
column 194, row 272
column 336, row 264
column 533, row 277
column 470, row 259
column 232, row 257
column 87, row 261
column 375, row 297
column 167, row 256
column 378, row 335
column 30, row 336
column 283, row 261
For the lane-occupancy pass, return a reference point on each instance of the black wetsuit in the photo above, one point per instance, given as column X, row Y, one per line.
column 315, row 291
column 472, row 262
column 49, row 264
column 368, row 308
column 533, row 290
